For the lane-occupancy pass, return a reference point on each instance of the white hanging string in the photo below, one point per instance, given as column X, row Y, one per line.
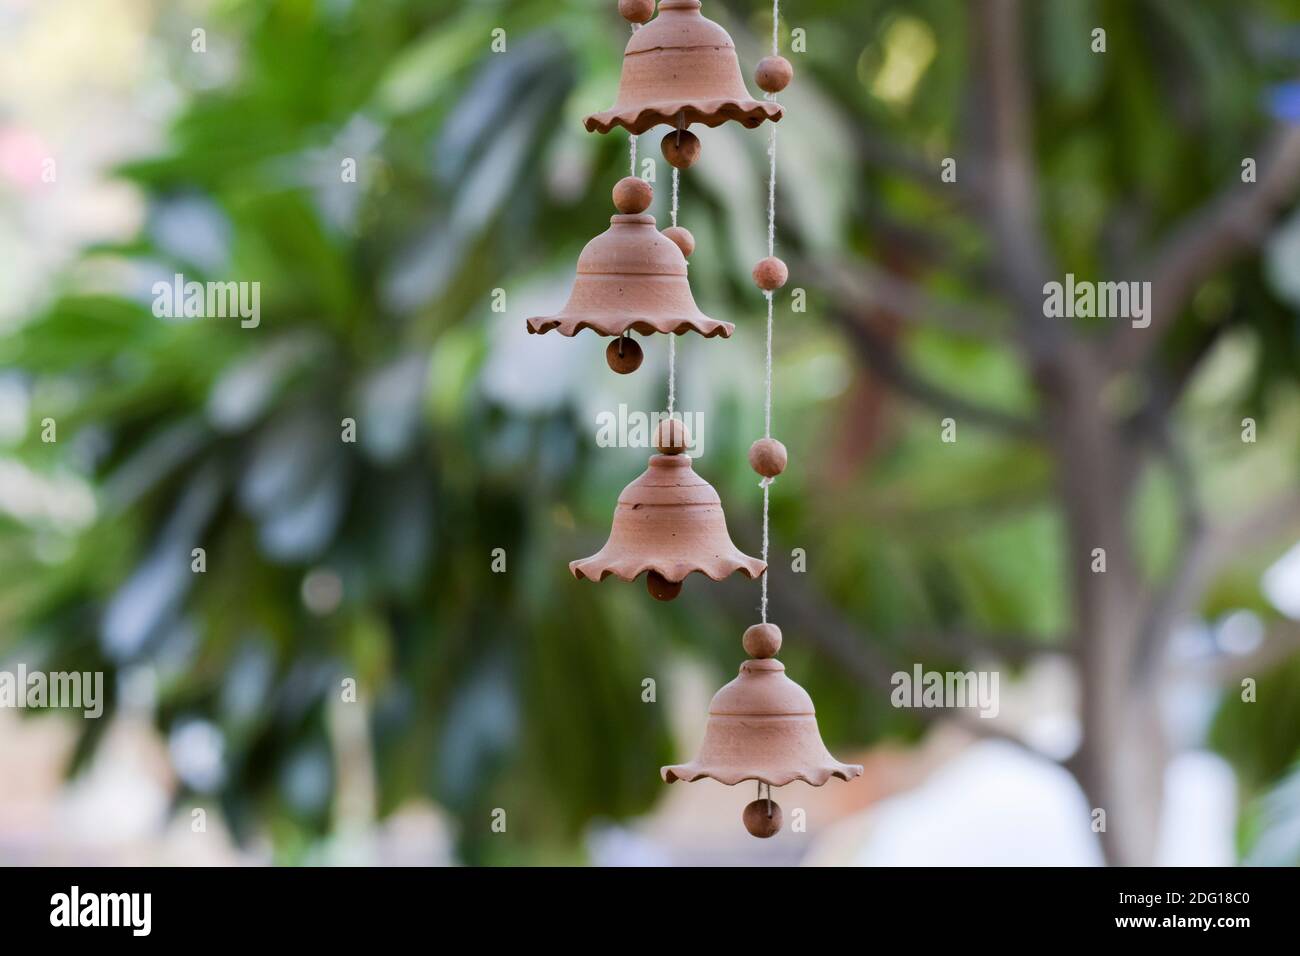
column 771, row 250
column 672, row 339
column 672, row 372
column 766, row 483
column 631, row 138
column 675, row 173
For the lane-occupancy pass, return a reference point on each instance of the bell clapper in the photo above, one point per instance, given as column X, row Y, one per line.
column 624, row 355
column 763, row 817
column 660, row 588
column 681, row 148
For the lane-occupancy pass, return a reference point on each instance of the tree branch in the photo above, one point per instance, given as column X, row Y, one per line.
column 1281, row 641
column 1237, row 220
column 840, row 641
column 882, row 358
column 862, row 287
column 1006, row 167
column 1204, row 557
column 1015, row 649
column 884, row 154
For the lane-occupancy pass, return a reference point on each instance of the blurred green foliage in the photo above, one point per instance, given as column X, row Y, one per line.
column 474, row 174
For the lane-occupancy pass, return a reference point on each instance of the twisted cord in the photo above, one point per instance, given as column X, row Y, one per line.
column 766, row 483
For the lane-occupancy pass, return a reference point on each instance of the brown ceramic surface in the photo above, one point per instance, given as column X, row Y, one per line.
column 681, row 66
column 682, row 239
column 668, row 520
column 631, row 277
column 624, row 356
column 773, row 74
column 768, row 457
column 762, row 727
column 763, row 818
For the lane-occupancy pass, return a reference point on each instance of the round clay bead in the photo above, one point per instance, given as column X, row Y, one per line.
column 624, row 355
column 660, row 588
column 773, row 74
column 682, row 236
column 636, row 11
column 770, row 273
column 681, row 148
column 768, row 457
column 671, row 437
column 763, row 818
column 632, row 195
column 762, row 640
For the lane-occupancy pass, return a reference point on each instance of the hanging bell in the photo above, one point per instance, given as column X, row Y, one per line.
column 762, row 727
column 681, row 68
column 631, row 278
column 668, row 522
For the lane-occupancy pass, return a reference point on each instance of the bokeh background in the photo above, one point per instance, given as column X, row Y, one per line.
column 523, row 690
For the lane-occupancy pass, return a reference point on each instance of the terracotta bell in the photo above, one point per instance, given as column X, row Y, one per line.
column 668, row 522
column 681, row 68
column 631, row 278
column 762, row 727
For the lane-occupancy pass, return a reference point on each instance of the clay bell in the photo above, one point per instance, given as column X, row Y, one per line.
column 762, row 727
column 668, row 523
column 679, row 69
column 631, row 278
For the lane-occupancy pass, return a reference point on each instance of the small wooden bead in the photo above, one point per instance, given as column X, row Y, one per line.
column 636, row 11
column 632, row 195
column 671, row 437
column 768, row 457
column 681, row 148
column 762, row 640
column 763, row 818
column 770, row 274
column 773, row 74
column 660, row 588
column 624, row 355
column 682, row 236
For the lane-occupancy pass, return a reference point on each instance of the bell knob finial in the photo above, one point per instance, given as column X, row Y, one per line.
column 636, row 11
column 762, row 641
column 633, row 195
column 671, row 437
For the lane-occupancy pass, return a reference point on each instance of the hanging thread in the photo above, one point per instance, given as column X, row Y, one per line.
column 766, row 483
column 672, row 373
column 672, row 339
column 631, row 137
column 676, row 171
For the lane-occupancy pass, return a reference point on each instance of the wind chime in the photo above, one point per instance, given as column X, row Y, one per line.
column 681, row 69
